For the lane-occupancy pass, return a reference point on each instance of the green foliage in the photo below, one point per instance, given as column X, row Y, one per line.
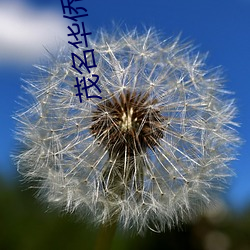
column 25, row 225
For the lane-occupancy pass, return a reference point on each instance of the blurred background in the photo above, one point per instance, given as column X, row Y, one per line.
column 27, row 27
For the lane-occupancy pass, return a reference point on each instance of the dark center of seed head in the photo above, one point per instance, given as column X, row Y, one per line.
column 128, row 124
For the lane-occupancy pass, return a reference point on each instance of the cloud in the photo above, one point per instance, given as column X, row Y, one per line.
column 25, row 31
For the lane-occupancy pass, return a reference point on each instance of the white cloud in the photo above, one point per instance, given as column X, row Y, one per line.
column 24, row 31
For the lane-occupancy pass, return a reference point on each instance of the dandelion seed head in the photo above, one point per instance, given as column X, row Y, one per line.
column 151, row 153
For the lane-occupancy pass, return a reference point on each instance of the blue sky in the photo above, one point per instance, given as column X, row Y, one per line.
column 221, row 27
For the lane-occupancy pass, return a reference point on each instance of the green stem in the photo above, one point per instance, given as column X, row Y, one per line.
column 105, row 236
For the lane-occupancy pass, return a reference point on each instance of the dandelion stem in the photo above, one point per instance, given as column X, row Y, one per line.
column 105, row 236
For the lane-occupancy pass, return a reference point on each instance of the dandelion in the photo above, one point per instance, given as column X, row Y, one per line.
column 151, row 153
